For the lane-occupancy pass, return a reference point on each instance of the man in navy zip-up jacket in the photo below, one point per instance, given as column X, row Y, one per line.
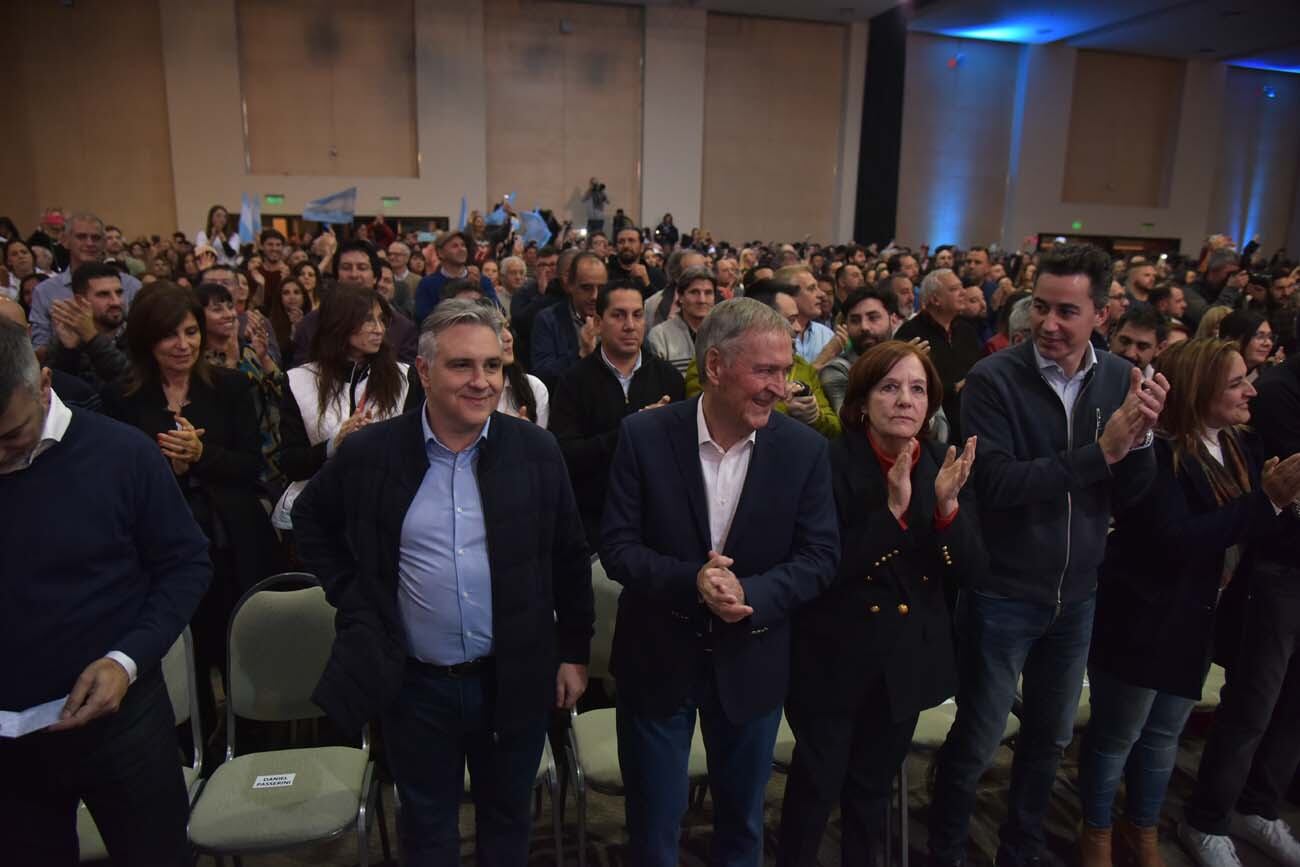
column 1063, row 433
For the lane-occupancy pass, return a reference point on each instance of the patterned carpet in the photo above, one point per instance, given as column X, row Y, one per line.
column 605, row 821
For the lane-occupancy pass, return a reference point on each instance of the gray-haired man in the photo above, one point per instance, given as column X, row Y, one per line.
column 466, row 632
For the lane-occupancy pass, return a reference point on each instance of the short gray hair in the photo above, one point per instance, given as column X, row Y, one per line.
column 931, row 286
column 513, row 260
column 84, row 217
column 1018, row 320
column 674, row 265
column 18, row 365
column 729, row 322
column 457, row 311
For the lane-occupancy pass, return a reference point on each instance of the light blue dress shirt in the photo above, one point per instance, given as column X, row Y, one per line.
column 810, row 344
column 444, row 588
column 1067, row 388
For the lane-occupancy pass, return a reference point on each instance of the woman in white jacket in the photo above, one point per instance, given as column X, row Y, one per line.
column 352, row 379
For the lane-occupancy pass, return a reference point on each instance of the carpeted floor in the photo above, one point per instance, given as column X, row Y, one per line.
column 605, row 821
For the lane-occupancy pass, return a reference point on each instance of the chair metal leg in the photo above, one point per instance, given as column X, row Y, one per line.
column 889, row 830
column 557, row 824
column 902, row 811
column 383, row 824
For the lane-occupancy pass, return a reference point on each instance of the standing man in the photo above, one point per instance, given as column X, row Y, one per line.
column 674, row 340
column 591, row 400
column 85, row 241
column 626, row 264
column 463, row 588
column 955, row 343
column 1063, row 437
column 89, row 328
column 812, row 336
column 564, row 334
column 453, row 264
column 868, row 315
column 101, row 567
column 719, row 522
column 274, row 269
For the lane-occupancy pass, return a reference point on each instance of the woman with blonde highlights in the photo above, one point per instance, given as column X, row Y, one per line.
column 1167, row 562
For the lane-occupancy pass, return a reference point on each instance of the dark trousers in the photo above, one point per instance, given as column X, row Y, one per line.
column 849, row 758
column 126, row 768
column 437, row 725
column 1002, row 640
column 1254, row 746
column 653, row 754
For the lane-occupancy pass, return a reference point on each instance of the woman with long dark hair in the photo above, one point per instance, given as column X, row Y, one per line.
column 1168, row 560
column 308, row 276
column 352, row 379
column 204, row 421
column 1254, row 336
column 218, row 233
column 287, row 307
column 523, row 394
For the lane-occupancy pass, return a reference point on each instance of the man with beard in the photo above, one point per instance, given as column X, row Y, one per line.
column 626, row 263
column 867, row 317
column 88, row 327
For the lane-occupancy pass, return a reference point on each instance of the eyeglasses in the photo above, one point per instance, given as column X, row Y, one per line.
column 1264, row 336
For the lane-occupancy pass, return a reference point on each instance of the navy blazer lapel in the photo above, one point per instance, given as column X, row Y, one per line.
column 686, row 451
column 412, row 458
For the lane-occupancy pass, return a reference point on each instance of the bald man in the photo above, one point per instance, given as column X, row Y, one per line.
column 72, row 390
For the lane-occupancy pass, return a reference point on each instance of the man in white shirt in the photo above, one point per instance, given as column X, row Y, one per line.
column 719, row 522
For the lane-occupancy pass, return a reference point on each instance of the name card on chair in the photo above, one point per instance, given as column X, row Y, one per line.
column 273, row 781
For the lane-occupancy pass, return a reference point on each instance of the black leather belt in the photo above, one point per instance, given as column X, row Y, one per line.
column 459, row 670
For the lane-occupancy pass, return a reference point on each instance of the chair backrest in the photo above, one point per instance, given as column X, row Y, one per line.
column 279, row 643
column 176, row 672
column 606, row 591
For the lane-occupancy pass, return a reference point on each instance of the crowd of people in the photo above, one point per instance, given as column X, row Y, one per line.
column 840, row 482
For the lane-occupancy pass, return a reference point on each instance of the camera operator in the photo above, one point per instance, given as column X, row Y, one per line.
column 596, row 200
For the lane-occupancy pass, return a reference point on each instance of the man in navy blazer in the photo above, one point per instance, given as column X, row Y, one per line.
column 564, row 334
column 719, row 522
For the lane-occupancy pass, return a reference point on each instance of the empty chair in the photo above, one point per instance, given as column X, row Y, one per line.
column 267, row 801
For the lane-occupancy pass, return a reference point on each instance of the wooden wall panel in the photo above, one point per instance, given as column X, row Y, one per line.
column 1123, row 129
column 773, row 104
column 563, row 107
column 328, row 87
column 86, row 114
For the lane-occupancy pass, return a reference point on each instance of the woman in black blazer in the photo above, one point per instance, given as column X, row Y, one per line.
column 205, row 424
column 1167, row 562
column 876, row 649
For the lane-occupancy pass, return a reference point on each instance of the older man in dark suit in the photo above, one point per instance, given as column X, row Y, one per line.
column 719, row 522
column 451, row 544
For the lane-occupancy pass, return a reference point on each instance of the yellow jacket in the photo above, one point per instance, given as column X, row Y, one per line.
column 827, row 423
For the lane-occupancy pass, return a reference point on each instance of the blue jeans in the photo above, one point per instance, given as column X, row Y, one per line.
column 435, row 726
column 653, row 753
column 1134, row 727
column 1001, row 640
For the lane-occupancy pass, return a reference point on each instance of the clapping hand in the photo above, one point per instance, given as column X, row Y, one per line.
column 183, row 446
column 721, row 589
column 899, row 481
column 1280, row 480
column 588, row 336
column 1136, row 416
column 952, row 476
column 354, row 422
column 662, row 401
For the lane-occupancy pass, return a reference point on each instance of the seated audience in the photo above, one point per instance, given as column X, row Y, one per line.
column 593, row 397
column 1169, row 557
column 674, row 340
column 872, row 652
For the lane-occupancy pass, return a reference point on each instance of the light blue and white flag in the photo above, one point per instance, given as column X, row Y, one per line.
column 339, row 207
column 464, row 213
column 533, row 228
column 250, row 218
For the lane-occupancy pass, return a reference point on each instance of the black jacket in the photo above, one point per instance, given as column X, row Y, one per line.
column 222, row 486
column 656, row 537
column 1045, row 490
column 348, row 525
column 1275, row 417
column 1159, row 587
column 658, row 279
column 953, row 356
column 586, row 409
column 887, row 612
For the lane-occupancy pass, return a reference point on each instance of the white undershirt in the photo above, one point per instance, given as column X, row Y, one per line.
column 724, row 477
